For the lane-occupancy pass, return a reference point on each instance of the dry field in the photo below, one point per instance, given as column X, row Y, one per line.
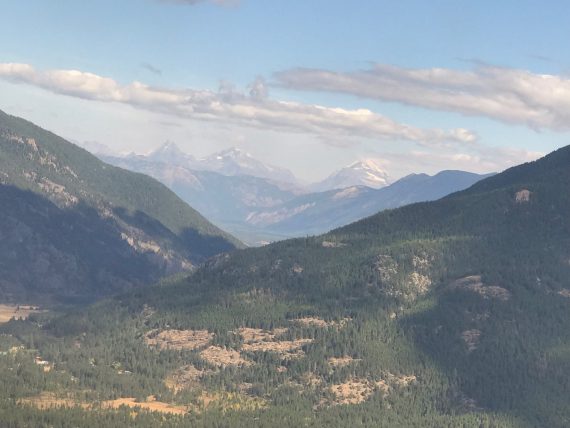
column 7, row 312
column 150, row 405
column 48, row 400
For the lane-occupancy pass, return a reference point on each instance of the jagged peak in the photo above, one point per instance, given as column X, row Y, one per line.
column 232, row 152
column 168, row 147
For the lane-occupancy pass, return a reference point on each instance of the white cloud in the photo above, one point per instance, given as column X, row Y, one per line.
column 230, row 106
column 539, row 101
column 486, row 159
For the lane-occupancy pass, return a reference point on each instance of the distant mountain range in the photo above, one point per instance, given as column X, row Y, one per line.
column 72, row 226
column 242, row 195
column 230, row 162
column 237, row 162
column 317, row 213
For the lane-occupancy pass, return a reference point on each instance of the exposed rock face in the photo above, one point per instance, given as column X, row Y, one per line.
column 522, row 196
column 402, row 280
column 331, row 244
column 386, row 267
column 419, row 282
column 474, row 283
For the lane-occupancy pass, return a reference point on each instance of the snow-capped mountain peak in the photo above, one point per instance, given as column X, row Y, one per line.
column 235, row 161
column 229, row 162
column 170, row 153
column 361, row 173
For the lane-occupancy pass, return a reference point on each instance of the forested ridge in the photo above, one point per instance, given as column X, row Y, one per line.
column 444, row 314
column 75, row 228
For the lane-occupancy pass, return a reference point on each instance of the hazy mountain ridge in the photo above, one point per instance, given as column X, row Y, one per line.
column 139, row 229
column 321, row 212
column 257, row 209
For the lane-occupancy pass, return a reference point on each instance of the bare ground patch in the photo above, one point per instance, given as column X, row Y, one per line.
column 287, row 349
column 252, row 335
column 475, row 284
column 178, row 339
column 258, row 340
column 319, row 322
column 223, row 357
column 184, row 378
column 358, row 390
column 150, row 405
column 352, row 391
column 49, row 400
column 7, row 312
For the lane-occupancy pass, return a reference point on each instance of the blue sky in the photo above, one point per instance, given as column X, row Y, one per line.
column 418, row 86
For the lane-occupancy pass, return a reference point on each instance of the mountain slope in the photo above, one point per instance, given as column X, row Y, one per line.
column 75, row 226
column 256, row 209
column 320, row 212
column 437, row 314
column 224, row 200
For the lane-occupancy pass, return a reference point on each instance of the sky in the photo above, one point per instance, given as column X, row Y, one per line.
column 309, row 85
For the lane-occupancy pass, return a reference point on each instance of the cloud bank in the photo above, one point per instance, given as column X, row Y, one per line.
column 539, row 101
column 254, row 109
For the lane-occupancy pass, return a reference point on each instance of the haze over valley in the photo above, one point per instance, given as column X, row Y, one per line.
column 260, row 203
column 242, row 213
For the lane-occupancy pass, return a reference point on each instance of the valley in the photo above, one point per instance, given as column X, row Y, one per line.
column 261, row 204
column 435, row 314
column 291, row 214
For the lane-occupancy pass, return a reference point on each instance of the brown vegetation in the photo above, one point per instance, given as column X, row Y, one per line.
column 150, row 405
column 178, row 339
column 223, row 357
column 252, row 335
column 358, row 390
column 7, row 312
column 474, row 283
column 287, row 349
column 319, row 322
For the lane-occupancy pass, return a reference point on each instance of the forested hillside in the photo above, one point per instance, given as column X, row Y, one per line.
column 73, row 227
column 440, row 314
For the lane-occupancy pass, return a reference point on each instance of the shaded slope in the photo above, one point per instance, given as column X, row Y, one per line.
column 124, row 212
